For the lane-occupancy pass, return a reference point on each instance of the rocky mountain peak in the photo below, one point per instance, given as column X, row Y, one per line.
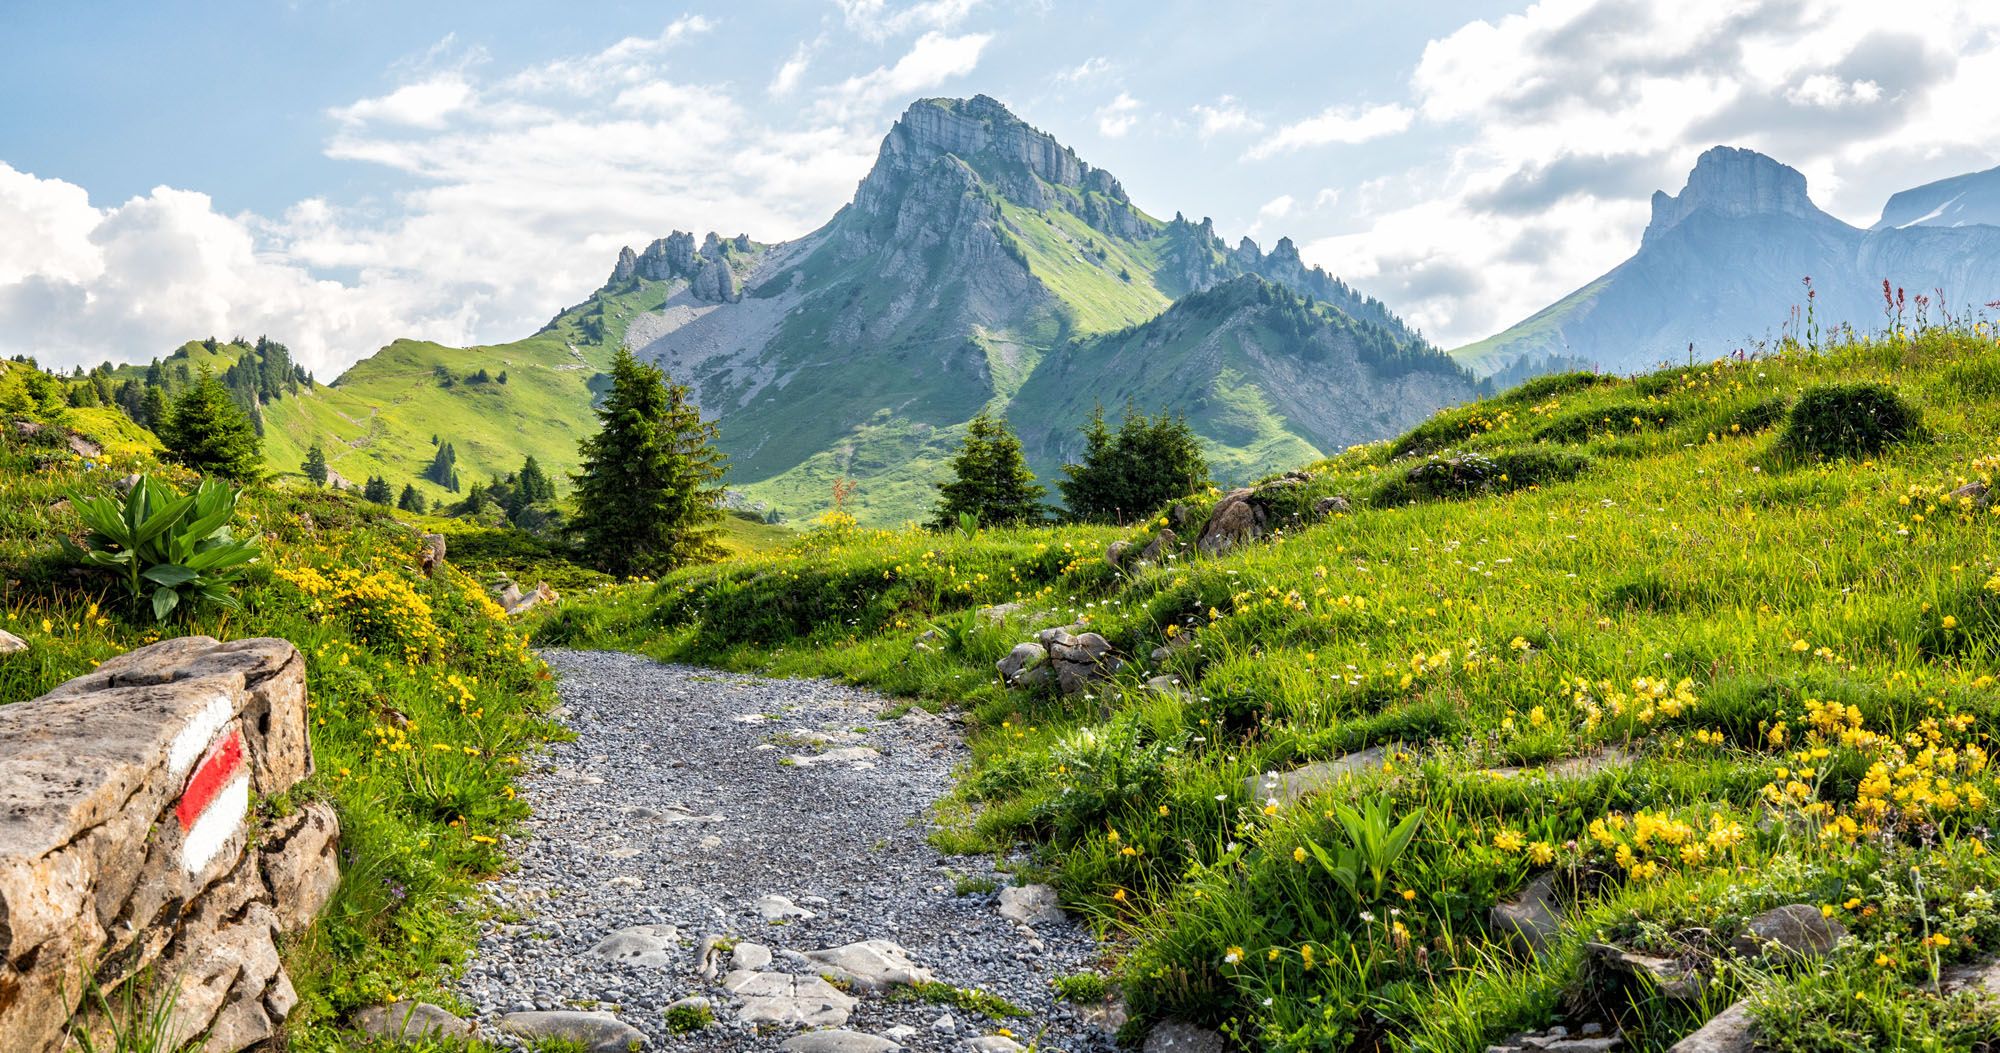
column 711, row 271
column 1729, row 181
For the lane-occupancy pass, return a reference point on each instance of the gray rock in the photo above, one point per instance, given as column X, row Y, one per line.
column 1730, row 1031
column 1022, row 657
column 873, row 966
column 773, row 907
column 410, row 1022
column 857, row 755
column 595, row 1031
column 708, row 958
column 1331, row 506
column 1055, row 637
column 1795, row 928
column 1235, row 520
column 1030, row 904
column 788, row 1001
column 991, row 1044
column 1570, row 767
column 1116, row 553
column 640, row 945
column 838, row 1042
column 1669, row 977
column 1156, row 549
column 1534, row 916
column 752, row 956
column 11, row 644
column 1179, row 1036
column 1084, row 648
column 1291, row 787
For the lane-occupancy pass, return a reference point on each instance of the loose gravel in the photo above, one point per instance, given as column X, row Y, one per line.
column 696, row 799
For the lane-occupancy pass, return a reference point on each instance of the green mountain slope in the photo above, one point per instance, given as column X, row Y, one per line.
column 976, row 264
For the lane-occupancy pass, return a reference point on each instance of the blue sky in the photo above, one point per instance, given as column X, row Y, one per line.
column 341, row 172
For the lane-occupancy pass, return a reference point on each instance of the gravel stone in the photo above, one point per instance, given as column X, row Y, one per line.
column 664, row 815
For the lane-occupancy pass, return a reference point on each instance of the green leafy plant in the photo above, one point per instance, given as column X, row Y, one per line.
column 957, row 631
column 1375, row 840
column 177, row 547
column 1848, row 420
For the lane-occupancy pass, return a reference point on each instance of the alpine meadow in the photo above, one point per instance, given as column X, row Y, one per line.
column 1531, row 587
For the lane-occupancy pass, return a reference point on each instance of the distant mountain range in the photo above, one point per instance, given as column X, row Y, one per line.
column 980, row 266
column 1723, row 263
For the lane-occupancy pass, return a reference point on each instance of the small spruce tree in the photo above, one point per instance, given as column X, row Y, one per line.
column 990, row 480
column 1128, row 473
column 377, row 490
column 315, row 468
column 411, row 500
column 207, row 431
column 647, row 496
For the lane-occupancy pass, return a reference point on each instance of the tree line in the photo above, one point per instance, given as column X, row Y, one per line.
column 1125, row 473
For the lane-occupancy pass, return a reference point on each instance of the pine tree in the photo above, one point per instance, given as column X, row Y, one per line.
column 315, row 466
column 1129, row 473
column 377, row 490
column 990, row 480
column 207, row 431
column 647, row 499
column 533, row 484
column 153, row 408
column 411, row 500
column 443, row 469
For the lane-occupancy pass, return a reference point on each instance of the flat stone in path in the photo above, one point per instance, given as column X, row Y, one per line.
column 640, row 945
column 871, row 965
column 410, row 1022
column 786, row 1000
column 596, row 1032
column 838, row 1042
column 1291, row 787
column 1029, row 904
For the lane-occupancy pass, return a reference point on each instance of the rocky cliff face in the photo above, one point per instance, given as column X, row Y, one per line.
column 1722, row 267
column 1967, row 200
column 714, row 273
column 126, row 843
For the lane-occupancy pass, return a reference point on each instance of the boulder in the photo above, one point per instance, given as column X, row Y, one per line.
column 514, row 601
column 1670, row 978
column 1158, row 548
column 1796, row 929
column 1973, row 493
column 125, row 834
column 1179, row 1036
column 11, row 644
column 999, row 612
column 597, row 1032
column 1236, row 519
column 1730, row 1031
column 1030, row 904
column 1022, row 657
column 431, row 556
column 1116, row 553
column 752, row 956
column 1533, row 917
column 410, row 1022
column 873, row 966
column 1085, row 648
column 1291, row 787
column 1337, row 505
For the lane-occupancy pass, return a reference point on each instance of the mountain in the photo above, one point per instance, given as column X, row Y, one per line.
column 981, row 265
column 1722, row 266
column 1973, row 198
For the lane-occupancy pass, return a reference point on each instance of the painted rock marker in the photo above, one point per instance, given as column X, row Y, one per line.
column 212, row 807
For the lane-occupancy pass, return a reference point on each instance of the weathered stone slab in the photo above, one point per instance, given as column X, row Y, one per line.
column 1291, row 787
column 124, row 820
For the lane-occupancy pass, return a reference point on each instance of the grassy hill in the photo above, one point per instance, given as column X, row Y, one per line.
column 1614, row 640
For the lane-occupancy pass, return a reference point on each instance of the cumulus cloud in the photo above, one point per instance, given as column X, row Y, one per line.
column 521, row 188
column 1118, row 116
column 880, row 20
column 1336, row 124
column 1089, row 69
column 788, row 75
column 1226, row 116
column 932, row 60
column 1565, row 116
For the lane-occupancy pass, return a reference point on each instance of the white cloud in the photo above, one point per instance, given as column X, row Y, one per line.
column 878, row 20
column 1277, row 208
column 1226, row 116
column 1336, row 124
column 1090, row 69
column 425, row 104
column 521, row 195
column 1118, row 116
column 788, row 75
column 1565, row 116
column 932, row 60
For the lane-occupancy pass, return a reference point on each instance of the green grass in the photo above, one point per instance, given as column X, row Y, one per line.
column 424, row 703
column 1678, row 588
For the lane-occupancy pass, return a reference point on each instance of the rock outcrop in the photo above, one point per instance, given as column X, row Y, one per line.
column 712, row 272
column 125, row 834
column 1074, row 660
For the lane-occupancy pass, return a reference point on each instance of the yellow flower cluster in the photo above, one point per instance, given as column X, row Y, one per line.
column 1645, row 843
column 1927, row 774
column 382, row 608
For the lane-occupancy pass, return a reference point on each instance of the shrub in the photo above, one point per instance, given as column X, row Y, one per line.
column 177, row 546
column 1127, row 474
column 1471, row 474
column 1848, row 420
column 1614, row 418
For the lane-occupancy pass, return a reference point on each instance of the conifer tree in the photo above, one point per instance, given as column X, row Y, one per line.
column 1129, row 473
column 153, row 408
column 411, row 500
column 533, row 484
column 647, row 495
column 377, row 490
column 990, row 480
column 315, row 468
column 207, row 431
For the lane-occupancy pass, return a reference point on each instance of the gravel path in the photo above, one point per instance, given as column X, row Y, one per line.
column 688, row 797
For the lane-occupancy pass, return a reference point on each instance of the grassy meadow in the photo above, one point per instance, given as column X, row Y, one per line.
column 1771, row 672
column 425, row 705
